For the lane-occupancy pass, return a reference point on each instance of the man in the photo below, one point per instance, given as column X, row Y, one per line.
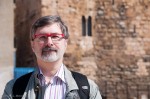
column 49, row 36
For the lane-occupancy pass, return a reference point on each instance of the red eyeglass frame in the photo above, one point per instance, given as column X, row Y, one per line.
column 47, row 34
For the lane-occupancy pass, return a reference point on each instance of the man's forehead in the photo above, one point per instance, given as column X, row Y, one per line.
column 54, row 28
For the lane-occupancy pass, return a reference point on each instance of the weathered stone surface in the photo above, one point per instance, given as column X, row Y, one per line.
column 7, row 50
column 25, row 15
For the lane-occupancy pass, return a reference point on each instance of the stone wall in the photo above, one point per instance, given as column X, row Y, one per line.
column 7, row 32
column 7, row 50
column 25, row 14
column 118, row 50
column 122, row 41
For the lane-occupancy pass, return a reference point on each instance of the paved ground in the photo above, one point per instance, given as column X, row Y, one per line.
column 6, row 74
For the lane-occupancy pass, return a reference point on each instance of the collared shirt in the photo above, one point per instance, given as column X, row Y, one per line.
column 57, row 87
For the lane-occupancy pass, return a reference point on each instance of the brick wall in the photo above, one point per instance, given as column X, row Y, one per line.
column 123, row 41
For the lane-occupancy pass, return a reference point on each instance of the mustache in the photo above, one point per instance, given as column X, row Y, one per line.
column 49, row 49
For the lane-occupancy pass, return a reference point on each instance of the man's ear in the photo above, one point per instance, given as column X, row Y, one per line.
column 32, row 45
column 66, row 42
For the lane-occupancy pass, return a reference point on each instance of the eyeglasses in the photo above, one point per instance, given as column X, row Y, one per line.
column 55, row 37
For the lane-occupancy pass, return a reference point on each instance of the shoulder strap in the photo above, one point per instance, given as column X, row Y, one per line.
column 83, row 84
column 20, row 86
column 81, row 80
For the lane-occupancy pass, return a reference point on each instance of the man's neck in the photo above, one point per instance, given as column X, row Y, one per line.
column 49, row 69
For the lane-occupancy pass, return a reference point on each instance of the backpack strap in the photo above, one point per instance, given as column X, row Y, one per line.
column 81, row 80
column 83, row 84
column 20, row 86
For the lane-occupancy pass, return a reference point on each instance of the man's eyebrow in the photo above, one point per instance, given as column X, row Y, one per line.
column 51, row 33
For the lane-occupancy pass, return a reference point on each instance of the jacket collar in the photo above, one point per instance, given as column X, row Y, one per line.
column 71, row 83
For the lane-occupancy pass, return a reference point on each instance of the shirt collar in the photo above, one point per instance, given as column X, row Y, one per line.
column 59, row 74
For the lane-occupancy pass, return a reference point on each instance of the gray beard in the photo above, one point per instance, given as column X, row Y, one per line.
column 50, row 58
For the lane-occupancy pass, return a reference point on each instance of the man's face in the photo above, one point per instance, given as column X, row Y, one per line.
column 49, row 44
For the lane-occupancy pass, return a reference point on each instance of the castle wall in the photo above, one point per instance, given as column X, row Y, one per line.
column 26, row 12
column 123, row 43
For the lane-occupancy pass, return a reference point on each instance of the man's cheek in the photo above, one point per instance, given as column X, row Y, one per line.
column 40, row 45
column 56, row 46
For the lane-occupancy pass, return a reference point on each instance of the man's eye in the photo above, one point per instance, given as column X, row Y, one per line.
column 42, row 37
column 55, row 36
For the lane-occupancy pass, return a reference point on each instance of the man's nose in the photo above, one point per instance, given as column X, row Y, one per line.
column 49, row 41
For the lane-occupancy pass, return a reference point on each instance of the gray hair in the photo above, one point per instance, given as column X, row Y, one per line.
column 48, row 20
